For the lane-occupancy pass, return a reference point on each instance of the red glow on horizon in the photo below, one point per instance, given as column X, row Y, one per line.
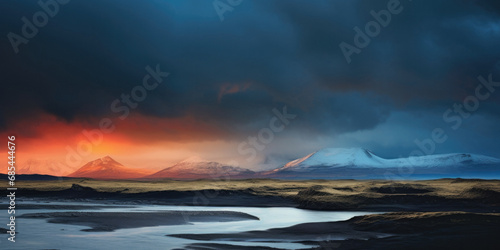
column 137, row 142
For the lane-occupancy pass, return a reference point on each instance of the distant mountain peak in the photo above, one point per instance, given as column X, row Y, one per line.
column 107, row 158
column 194, row 159
column 107, row 168
column 351, row 151
column 336, row 156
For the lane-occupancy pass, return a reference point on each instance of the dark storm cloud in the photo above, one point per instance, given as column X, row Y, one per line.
column 428, row 51
column 287, row 52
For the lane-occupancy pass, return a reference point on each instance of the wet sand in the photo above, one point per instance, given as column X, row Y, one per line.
column 33, row 206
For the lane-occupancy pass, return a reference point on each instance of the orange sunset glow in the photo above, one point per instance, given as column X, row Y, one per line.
column 137, row 141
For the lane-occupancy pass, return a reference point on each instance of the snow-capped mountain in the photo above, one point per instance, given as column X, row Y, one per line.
column 107, row 168
column 197, row 168
column 335, row 157
column 361, row 163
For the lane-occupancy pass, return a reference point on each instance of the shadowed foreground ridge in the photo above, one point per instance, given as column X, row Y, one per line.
column 398, row 230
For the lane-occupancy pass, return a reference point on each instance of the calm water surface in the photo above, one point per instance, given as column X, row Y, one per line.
column 38, row 234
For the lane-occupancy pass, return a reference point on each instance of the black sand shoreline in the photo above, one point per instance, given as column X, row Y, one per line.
column 110, row 221
column 399, row 230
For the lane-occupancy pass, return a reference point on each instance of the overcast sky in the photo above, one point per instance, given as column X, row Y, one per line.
column 226, row 77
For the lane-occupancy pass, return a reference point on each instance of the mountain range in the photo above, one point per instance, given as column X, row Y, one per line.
column 328, row 163
column 360, row 163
